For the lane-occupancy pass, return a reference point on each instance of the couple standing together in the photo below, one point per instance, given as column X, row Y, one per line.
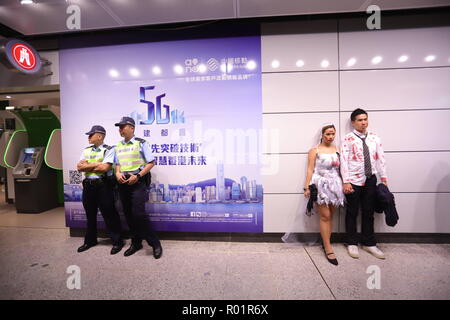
column 347, row 177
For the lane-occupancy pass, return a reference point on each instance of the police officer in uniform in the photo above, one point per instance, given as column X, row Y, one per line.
column 96, row 162
column 134, row 160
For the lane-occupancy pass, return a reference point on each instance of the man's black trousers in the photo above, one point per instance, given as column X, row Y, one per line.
column 364, row 198
column 133, row 198
column 99, row 195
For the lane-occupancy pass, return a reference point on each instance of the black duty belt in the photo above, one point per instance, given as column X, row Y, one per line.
column 93, row 182
column 145, row 179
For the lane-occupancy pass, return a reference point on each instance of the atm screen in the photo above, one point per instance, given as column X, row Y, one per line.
column 28, row 158
column 28, row 155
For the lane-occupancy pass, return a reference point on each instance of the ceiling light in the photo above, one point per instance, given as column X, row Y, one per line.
column 377, row 60
column 325, row 63
column 134, row 72
column 156, row 70
column 113, row 73
column 351, row 62
column 403, row 58
column 430, row 58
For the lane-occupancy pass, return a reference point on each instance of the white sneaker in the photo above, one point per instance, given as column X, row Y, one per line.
column 353, row 251
column 375, row 252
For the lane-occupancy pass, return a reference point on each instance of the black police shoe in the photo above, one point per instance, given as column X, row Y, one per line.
column 132, row 249
column 116, row 248
column 157, row 252
column 86, row 246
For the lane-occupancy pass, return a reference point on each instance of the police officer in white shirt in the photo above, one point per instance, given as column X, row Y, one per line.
column 96, row 162
column 134, row 160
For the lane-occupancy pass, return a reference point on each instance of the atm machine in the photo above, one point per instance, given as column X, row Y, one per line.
column 34, row 182
column 13, row 139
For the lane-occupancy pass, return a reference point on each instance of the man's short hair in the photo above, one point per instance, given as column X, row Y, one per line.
column 356, row 113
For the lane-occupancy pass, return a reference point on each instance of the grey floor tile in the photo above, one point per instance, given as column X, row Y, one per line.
column 36, row 250
column 407, row 273
column 247, row 263
column 299, row 279
column 251, row 287
column 211, row 246
column 54, row 218
column 251, row 247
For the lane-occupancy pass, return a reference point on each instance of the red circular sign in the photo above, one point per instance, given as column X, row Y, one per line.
column 24, row 56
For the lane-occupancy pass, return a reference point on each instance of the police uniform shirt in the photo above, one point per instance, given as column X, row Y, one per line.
column 108, row 158
column 145, row 150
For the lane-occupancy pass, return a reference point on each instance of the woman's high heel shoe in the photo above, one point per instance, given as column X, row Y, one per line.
column 332, row 261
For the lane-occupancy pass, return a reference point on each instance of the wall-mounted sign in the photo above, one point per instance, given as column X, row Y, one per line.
column 20, row 56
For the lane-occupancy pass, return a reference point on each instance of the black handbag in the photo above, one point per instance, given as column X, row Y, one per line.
column 312, row 199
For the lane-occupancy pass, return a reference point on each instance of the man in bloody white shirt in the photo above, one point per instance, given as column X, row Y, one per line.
column 362, row 158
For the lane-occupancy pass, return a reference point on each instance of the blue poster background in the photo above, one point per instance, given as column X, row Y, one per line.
column 197, row 103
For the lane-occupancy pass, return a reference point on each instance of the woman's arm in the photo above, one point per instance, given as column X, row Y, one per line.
column 309, row 172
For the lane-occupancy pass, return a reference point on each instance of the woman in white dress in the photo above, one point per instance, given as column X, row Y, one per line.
column 323, row 171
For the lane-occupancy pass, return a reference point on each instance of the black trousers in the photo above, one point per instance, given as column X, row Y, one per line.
column 99, row 195
column 364, row 198
column 133, row 198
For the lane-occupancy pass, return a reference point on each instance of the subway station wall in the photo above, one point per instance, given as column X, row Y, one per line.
column 319, row 71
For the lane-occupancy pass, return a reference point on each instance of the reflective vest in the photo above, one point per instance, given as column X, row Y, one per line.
column 96, row 155
column 129, row 155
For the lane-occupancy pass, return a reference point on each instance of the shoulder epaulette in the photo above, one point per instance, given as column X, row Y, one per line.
column 140, row 140
column 108, row 147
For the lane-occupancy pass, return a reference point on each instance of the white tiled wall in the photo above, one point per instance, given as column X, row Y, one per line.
column 399, row 89
column 408, row 101
column 290, row 176
column 419, row 171
column 286, row 213
column 399, row 48
column 312, row 42
column 298, row 132
column 278, row 95
column 408, row 130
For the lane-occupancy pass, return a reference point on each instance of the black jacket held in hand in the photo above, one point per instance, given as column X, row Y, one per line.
column 385, row 202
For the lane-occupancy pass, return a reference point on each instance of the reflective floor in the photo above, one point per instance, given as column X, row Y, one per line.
column 37, row 256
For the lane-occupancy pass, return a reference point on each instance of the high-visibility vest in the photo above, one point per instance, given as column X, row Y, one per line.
column 96, row 155
column 129, row 155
